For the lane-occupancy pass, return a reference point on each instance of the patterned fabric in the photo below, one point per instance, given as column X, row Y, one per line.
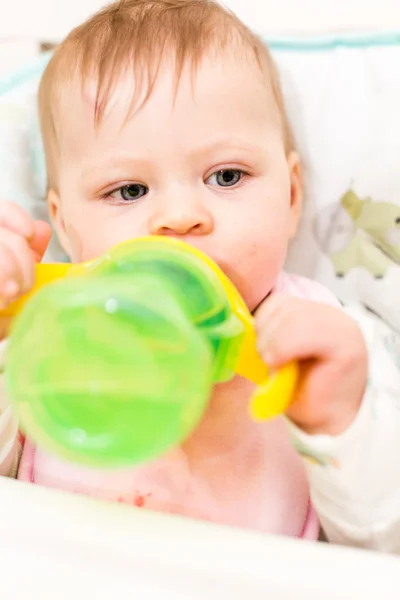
column 343, row 105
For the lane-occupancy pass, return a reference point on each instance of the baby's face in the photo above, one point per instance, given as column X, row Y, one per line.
column 207, row 166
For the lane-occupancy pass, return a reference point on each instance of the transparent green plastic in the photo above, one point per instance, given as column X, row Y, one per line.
column 116, row 367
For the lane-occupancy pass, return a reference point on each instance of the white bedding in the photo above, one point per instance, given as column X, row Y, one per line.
column 14, row 53
column 63, row 547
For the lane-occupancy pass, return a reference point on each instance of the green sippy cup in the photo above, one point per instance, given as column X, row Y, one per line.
column 114, row 364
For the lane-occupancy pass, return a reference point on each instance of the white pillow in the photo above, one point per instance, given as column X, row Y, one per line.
column 343, row 99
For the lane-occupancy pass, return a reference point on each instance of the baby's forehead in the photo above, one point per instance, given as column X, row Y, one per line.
column 210, row 85
column 139, row 37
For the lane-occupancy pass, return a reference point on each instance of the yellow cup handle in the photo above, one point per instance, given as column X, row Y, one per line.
column 275, row 391
column 274, row 396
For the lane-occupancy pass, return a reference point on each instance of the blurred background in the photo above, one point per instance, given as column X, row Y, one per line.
column 25, row 23
column 52, row 19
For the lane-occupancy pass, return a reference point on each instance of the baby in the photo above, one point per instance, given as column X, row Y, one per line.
column 165, row 117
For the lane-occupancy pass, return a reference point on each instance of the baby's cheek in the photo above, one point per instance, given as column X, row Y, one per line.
column 255, row 272
column 85, row 244
column 75, row 241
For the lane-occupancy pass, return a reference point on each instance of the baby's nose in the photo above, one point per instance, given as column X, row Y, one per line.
column 180, row 217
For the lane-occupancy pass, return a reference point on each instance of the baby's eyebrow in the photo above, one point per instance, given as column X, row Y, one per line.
column 230, row 144
column 114, row 165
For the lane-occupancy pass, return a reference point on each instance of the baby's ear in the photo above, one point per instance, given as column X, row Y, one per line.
column 296, row 191
column 53, row 201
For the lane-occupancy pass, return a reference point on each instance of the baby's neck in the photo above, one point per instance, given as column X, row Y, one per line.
column 226, row 427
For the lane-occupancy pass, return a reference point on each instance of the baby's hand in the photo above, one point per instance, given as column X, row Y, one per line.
column 332, row 355
column 23, row 242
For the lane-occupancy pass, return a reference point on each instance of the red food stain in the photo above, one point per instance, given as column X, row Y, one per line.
column 140, row 500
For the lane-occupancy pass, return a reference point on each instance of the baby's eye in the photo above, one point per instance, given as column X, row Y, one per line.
column 133, row 191
column 225, row 177
column 128, row 193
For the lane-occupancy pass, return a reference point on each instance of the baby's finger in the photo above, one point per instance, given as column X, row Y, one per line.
column 271, row 306
column 16, row 263
column 309, row 332
column 9, row 276
column 5, row 323
column 269, row 316
column 16, row 219
column 40, row 240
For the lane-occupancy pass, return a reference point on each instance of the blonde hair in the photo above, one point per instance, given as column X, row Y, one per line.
column 134, row 34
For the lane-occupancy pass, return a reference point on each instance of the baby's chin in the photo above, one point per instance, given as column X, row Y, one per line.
column 252, row 290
